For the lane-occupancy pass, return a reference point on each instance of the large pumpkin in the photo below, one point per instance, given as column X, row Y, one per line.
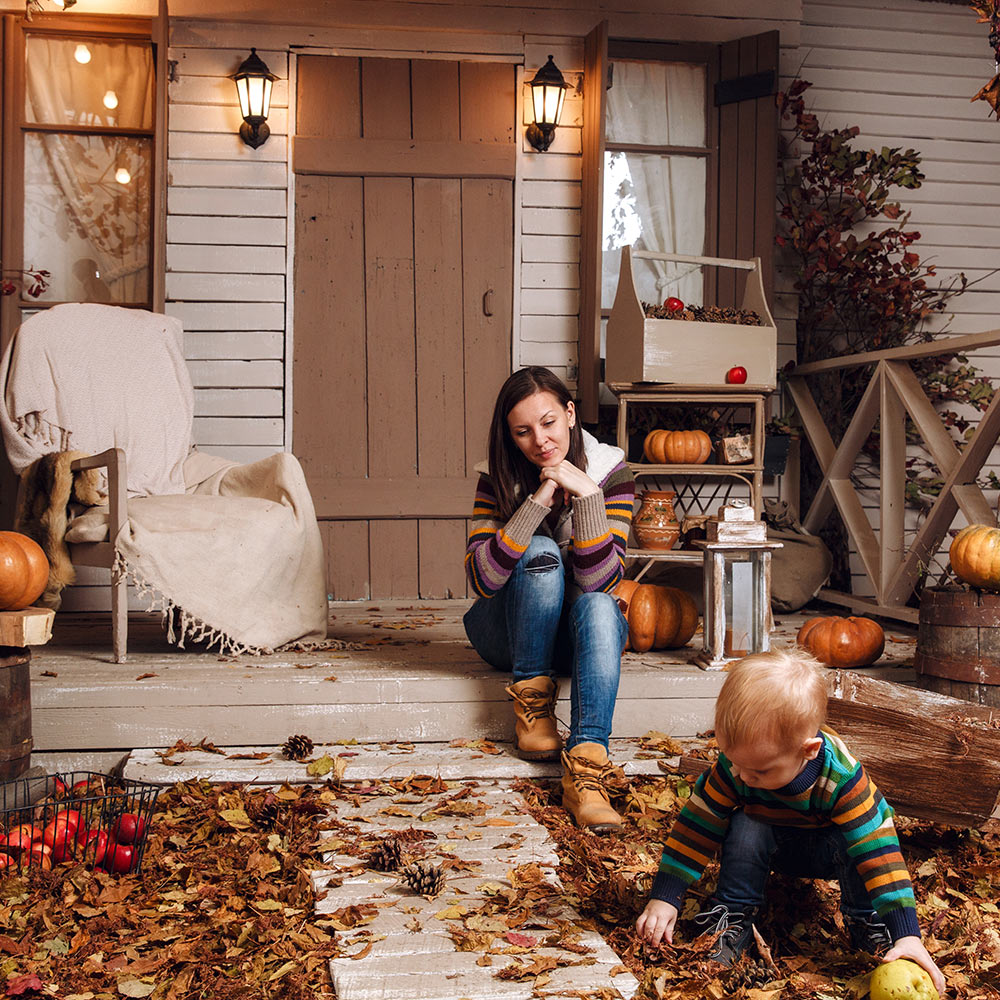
column 24, row 571
column 843, row 642
column 677, row 447
column 975, row 556
column 658, row 617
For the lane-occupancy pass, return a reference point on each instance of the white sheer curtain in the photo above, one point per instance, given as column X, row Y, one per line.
column 658, row 201
column 87, row 197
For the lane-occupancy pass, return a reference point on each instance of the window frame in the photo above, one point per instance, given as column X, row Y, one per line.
column 15, row 128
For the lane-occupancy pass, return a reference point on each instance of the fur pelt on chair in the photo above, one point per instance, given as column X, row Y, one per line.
column 48, row 487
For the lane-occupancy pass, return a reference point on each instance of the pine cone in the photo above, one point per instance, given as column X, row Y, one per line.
column 753, row 975
column 297, row 747
column 264, row 811
column 424, row 878
column 386, row 856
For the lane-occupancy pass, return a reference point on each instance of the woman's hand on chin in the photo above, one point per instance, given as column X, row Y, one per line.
column 574, row 481
column 545, row 494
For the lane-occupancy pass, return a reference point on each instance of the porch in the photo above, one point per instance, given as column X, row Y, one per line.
column 406, row 673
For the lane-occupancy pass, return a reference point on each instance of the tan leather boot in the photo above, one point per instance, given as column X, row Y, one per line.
column 535, row 734
column 586, row 769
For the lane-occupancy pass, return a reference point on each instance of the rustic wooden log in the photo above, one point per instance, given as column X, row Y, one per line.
column 27, row 627
column 15, row 712
column 932, row 757
column 958, row 644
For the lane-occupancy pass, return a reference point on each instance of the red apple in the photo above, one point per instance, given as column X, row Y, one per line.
column 736, row 375
column 119, row 858
column 59, row 836
column 94, row 847
column 673, row 304
column 20, row 838
column 128, row 828
column 40, row 856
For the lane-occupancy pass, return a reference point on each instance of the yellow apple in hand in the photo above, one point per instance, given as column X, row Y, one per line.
column 902, row 980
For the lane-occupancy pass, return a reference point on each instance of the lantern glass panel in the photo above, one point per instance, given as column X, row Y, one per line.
column 739, row 597
column 548, row 101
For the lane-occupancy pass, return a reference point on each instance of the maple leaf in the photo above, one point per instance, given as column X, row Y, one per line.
column 991, row 94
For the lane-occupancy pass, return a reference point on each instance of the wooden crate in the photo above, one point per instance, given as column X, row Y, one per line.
column 688, row 352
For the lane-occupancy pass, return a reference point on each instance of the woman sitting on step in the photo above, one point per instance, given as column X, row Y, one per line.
column 549, row 530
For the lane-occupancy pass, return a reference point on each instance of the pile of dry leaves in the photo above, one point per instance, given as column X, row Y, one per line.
column 224, row 906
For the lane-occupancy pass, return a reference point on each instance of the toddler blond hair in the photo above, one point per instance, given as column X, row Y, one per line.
column 777, row 697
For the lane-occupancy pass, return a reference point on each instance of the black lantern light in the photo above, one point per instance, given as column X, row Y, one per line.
column 253, row 84
column 548, row 91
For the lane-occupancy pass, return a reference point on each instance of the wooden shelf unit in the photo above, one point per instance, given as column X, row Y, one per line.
column 752, row 473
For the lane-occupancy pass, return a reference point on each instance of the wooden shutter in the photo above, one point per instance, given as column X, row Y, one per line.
column 595, row 76
column 748, row 158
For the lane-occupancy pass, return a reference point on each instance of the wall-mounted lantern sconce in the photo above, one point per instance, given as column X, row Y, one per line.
column 253, row 84
column 548, row 91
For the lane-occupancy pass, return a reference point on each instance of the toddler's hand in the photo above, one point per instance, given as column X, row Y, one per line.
column 913, row 948
column 657, row 921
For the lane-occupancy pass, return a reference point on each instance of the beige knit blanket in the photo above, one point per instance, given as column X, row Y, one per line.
column 235, row 550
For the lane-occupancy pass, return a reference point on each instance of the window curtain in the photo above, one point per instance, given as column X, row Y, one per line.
column 663, row 104
column 108, row 215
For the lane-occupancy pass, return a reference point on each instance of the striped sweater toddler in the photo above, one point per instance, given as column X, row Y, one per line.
column 833, row 789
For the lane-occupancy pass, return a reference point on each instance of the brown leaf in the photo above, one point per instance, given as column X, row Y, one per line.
column 49, row 673
column 142, row 677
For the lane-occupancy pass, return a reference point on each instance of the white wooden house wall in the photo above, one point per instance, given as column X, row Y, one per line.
column 903, row 71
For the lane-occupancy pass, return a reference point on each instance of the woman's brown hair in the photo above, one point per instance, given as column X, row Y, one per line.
column 513, row 476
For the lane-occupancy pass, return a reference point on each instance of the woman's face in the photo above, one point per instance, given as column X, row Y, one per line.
column 540, row 427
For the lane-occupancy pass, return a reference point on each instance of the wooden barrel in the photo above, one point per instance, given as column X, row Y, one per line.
column 958, row 644
column 15, row 712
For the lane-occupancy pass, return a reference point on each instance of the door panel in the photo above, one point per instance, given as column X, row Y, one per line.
column 403, row 295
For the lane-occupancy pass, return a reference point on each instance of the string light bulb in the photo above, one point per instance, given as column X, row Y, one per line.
column 82, row 54
column 122, row 176
column 111, row 100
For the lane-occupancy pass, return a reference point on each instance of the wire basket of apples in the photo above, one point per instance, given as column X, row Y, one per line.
column 78, row 817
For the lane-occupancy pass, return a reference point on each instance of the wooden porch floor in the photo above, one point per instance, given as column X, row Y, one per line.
column 412, row 676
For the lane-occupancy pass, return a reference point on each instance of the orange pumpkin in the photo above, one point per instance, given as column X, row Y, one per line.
column 975, row 556
column 658, row 617
column 664, row 447
column 843, row 642
column 24, row 571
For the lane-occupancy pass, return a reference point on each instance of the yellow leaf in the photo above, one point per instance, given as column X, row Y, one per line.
column 236, row 818
column 283, row 971
column 454, row 912
column 266, row 904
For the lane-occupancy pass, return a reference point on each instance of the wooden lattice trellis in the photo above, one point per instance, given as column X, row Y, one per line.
column 893, row 393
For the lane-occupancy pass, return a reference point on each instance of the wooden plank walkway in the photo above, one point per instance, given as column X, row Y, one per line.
column 503, row 910
column 409, row 674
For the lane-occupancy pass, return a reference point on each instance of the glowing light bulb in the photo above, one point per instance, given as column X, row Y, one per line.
column 111, row 100
column 82, row 54
column 122, row 176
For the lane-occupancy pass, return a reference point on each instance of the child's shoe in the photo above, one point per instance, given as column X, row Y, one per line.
column 869, row 934
column 733, row 927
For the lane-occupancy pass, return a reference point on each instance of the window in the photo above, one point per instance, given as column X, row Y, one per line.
column 659, row 159
column 79, row 177
column 679, row 155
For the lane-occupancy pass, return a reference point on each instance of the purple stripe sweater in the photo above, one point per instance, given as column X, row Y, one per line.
column 592, row 531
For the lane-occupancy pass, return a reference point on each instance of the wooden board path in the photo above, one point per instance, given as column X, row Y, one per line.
column 501, row 866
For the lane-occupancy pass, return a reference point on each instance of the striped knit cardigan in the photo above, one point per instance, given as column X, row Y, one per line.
column 592, row 531
column 833, row 789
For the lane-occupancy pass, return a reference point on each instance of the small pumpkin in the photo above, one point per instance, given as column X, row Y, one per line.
column 658, row 617
column 975, row 556
column 664, row 447
column 842, row 642
column 24, row 571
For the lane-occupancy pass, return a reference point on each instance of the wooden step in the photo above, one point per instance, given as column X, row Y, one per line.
column 408, row 674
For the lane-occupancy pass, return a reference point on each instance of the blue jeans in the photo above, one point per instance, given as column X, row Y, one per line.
column 532, row 627
column 753, row 849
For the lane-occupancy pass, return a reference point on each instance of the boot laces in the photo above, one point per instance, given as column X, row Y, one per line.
column 535, row 704
column 722, row 921
column 593, row 777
